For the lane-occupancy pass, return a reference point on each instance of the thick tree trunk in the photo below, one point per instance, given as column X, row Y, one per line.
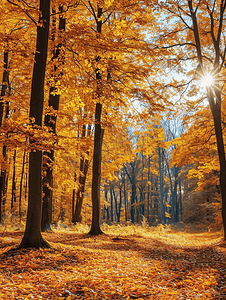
column 32, row 237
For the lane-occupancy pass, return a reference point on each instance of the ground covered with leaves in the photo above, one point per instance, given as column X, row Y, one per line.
column 156, row 264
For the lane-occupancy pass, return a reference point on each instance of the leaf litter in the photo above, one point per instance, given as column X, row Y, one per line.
column 80, row 266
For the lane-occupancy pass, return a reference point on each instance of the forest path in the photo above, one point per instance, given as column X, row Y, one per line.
column 161, row 266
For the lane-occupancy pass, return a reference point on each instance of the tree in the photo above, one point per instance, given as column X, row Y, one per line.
column 199, row 27
column 32, row 236
column 98, row 140
column 84, row 166
column 5, row 87
column 50, row 122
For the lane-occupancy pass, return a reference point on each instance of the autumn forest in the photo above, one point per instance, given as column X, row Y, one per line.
column 112, row 140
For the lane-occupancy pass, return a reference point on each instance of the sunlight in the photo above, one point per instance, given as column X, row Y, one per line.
column 207, row 80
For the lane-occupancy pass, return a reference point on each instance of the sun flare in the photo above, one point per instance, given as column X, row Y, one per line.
column 207, row 80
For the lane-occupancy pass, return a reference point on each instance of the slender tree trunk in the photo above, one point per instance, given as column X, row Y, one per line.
column 32, row 237
column 13, row 194
column 161, row 183
column 120, row 204
column 84, row 166
column 5, row 182
column 96, row 178
column 80, row 193
column 73, row 205
column 98, row 139
column 124, row 194
column 50, row 121
column 132, row 201
column 133, row 191
column 156, row 198
column 148, row 194
column 112, row 210
column 5, row 86
column 180, row 202
column 21, row 184
column 116, row 206
column 106, row 199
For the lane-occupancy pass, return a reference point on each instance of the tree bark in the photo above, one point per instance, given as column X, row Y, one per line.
column 21, row 184
column 13, row 194
column 180, row 201
column 133, row 191
column 5, row 86
column 96, row 177
column 50, row 121
column 148, row 193
column 98, row 139
column 112, row 209
column 161, row 183
column 32, row 237
column 84, row 166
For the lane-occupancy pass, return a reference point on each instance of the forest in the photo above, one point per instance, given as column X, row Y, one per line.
column 112, row 117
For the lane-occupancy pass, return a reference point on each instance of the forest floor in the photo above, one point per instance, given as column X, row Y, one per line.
column 154, row 264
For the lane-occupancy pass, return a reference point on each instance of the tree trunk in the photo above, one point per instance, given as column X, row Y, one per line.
column 13, row 194
column 98, row 139
column 32, row 237
column 50, row 121
column 148, row 193
column 133, row 191
column 21, row 184
column 84, row 166
column 161, row 183
column 120, row 204
column 112, row 210
column 180, row 201
column 96, row 178
column 5, row 86
column 124, row 193
column 156, row 198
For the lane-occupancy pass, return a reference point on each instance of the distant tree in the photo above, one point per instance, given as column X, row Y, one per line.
column 4, row 89
column 83, row 170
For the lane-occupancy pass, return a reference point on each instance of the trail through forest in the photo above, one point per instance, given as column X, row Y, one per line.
column 164, row 265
